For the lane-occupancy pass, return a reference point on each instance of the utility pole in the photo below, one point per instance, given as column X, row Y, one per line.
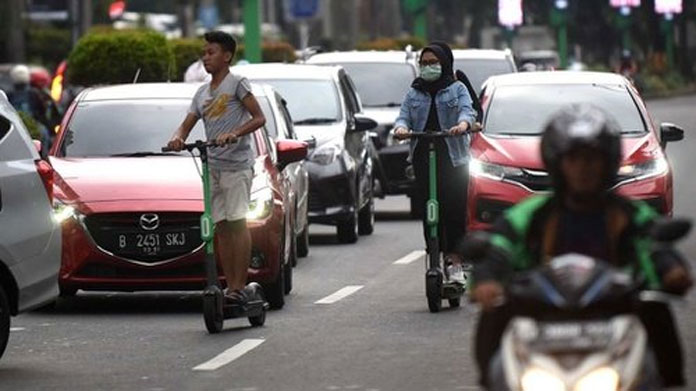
column 252, row 30
column 74, row 12
column 85, row 16
column 559, row 19
column 16, row 50
column 185, row 16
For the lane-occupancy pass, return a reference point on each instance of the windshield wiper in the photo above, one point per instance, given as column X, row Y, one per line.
column 632, row 132
column 390, row 104
column 143, row 154
column 315, row 121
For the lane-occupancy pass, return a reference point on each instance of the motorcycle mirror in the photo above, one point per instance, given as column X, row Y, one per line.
column 670, row 230
column 476, row 245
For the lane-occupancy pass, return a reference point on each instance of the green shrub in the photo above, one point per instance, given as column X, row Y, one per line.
column 47, row 46
column 271, row 52
column 115, row 57
column 186, row 51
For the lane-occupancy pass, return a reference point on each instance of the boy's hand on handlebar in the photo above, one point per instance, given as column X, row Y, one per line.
column 227, row 138
column 176, row 144
column 489, row 294
column 401, row 133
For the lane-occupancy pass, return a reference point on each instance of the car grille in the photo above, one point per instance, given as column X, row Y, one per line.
column 329, row 192
column 541, row 181
column 126, row 235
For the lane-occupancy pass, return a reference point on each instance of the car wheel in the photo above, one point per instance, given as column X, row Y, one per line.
column 275, row 291
column 4, row 321
column 416, row 211
column 303, row 242
column 287, row 275
column 347, row 230
column 366, row 218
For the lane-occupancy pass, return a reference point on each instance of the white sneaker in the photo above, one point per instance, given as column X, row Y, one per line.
column 456, row 274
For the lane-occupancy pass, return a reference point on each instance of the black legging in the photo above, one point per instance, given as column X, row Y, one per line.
column 452, row 192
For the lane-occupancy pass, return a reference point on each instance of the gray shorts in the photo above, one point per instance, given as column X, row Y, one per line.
column 230, row 191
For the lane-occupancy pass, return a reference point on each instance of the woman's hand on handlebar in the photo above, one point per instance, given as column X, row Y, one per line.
column 227, row 138
column 176, row 144
column 464, row 127
column 401, row 133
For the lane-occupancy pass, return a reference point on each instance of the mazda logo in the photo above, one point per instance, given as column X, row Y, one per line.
column 149, row 221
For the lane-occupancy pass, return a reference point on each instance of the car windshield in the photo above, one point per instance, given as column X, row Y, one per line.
column 381, row 84
column 478, row 70
column 525, row 109
column 309, row 101
column 108, row 128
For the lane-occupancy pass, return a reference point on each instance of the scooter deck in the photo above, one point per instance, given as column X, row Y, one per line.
column 251, row 309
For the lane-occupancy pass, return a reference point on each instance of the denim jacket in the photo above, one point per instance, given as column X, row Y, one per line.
column 453, row 106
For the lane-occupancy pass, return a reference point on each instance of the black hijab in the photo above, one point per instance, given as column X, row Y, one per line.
column 461, row 76
column 447, row 76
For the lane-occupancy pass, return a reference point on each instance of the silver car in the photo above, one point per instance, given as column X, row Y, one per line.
column 30, row 240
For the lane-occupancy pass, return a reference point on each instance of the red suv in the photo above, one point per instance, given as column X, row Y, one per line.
column 506, row 162
column 130, row 214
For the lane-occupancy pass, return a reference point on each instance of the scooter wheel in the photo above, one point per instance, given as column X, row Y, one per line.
column 213, row 313
column 433, row 291
column 259, row 320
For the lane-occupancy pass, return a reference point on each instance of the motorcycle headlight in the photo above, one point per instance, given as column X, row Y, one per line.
column 601, row 379
column 63, row 212
column 647, row 169
column 493, row 171
column 535, row 379
column 260, row 204
column 326, row 154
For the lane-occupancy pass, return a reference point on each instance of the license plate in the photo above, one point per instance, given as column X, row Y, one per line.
column 151, row 243
column 575, row 335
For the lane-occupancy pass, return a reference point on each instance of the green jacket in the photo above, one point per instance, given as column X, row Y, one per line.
column 524, row 237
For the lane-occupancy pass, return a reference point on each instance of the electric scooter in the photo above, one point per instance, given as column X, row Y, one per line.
column 438, row 285
column 215, row 309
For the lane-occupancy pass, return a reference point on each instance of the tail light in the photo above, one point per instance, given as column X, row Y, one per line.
column 46, row 173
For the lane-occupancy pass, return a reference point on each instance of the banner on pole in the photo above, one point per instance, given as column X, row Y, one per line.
column 668, row 6
column 624, row 3
column 510, row 13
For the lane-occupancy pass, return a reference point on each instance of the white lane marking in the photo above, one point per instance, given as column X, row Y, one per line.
column 340, row 294
column 17, row 329
column 229, row 355
column 413, row 256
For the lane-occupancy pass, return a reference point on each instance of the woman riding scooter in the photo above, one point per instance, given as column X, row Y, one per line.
column 438, row 102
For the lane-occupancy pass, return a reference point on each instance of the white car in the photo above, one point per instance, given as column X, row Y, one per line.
column 30, row 239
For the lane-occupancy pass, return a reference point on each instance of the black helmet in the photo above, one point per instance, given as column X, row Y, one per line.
column 581, row 126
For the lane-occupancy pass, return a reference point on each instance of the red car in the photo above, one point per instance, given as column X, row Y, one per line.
column 130, row 214
column 506, row 162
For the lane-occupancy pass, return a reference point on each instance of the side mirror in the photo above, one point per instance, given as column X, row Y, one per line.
column 670, row 132
column 290, row 151
column 476, row 245
column 38, row 146
column 669, row 230
column 363, row 124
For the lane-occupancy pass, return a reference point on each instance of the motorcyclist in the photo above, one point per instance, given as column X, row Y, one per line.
column 581, row 149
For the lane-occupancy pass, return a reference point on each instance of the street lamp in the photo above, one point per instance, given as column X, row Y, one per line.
column 624, row 19
column 668, row 8
column 559, row 19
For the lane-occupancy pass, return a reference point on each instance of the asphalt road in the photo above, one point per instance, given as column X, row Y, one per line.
column 377, row 334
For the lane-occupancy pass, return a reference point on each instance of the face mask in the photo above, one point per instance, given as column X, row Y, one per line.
column 431, row 72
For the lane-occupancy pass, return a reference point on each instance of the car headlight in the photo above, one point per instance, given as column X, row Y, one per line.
column 326, row 154
column 602, row 379
column 260, row 204
column 647, row 169
column 63, row 212
column 535, row 379
column 493, row 171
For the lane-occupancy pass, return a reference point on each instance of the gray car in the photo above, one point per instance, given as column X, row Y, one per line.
column 30, row 239
column 280, row 127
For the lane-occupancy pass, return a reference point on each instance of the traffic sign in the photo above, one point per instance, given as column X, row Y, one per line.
column 510, row 12
column 301, row 9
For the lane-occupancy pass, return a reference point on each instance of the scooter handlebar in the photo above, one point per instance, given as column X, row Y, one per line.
column 475, row 128
column 198, row 144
